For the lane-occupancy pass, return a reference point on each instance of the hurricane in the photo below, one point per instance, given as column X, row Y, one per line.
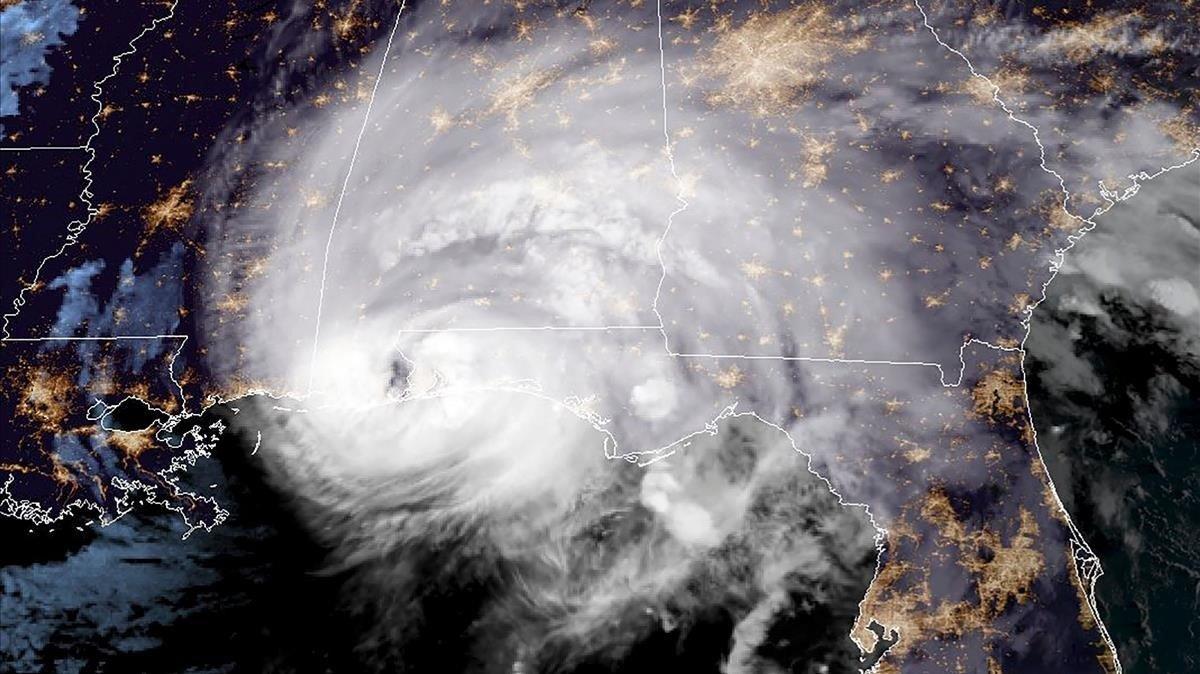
column 543, row 312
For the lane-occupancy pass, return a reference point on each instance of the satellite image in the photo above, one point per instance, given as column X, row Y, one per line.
column 646, row 336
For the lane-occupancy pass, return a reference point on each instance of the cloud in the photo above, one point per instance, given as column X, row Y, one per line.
column 460, row 311
column 30, row 34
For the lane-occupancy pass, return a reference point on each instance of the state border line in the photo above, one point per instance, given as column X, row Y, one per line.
column 106, row 338
column 383, row 62
column 77, row 227
column 32, row 148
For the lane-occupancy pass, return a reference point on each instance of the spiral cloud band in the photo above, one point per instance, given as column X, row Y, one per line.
column 548, row 299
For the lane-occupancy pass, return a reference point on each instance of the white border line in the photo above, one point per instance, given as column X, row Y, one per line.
column 1091, row 570
column 113, row 338
column 529, row 328
column 76, row 227
column 1112, row 198
column 683, row 203
column 30, row 148
column 383, row 63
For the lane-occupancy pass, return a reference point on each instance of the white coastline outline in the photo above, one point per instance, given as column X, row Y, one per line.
column 1112, row 198
column 337, row 210
column 37, row 513
column 1088, row 569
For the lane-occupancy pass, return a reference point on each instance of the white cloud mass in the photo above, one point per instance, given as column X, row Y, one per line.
column 513, row 176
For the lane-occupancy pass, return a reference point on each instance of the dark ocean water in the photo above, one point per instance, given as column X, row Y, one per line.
column 252, row 596
column 1124, row 458
column 135, row 597
column 257, row 595
column 1115, row 399
column 1114, row 384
